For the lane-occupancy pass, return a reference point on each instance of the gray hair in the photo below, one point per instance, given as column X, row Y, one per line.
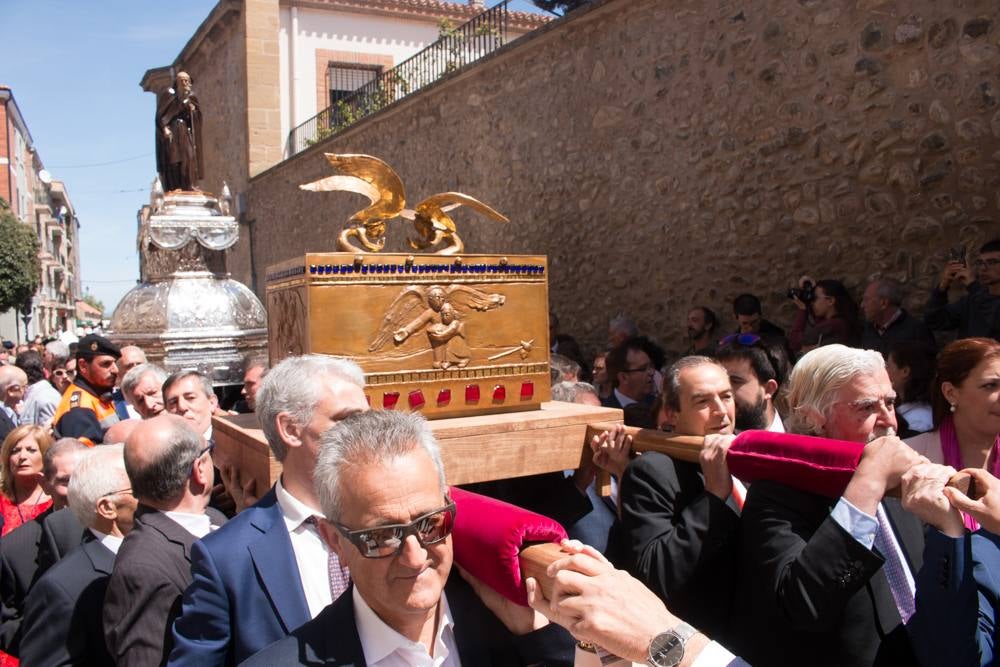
column 134, row 377
column 369, row 438
column 625, row 324
column 58, row 448
column 59, row 351
column 891, row 290
column 672, row 378
column 295, row 386
column 206, row 384
column 99, row 474
column 564, row 366
column 162, row 478
column 817, row 379
column 569, row 391
column 254, row 361
column 11, row 375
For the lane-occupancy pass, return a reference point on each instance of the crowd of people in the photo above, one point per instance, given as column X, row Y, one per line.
column 124, row 543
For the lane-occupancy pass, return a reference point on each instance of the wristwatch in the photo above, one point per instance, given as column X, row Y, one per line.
column 667, row 648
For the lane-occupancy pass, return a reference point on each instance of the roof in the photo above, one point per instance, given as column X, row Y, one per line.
column 435, row 9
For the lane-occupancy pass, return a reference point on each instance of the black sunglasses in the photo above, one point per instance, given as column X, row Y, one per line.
column 385, row 541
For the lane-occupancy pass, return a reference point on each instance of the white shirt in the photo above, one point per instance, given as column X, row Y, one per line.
column 311, row 552
column 198, row 525
column 624, row 400
column 110, row 541
column 777, row 426
column 384, row 647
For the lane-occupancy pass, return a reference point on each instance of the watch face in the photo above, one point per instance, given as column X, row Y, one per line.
column 666, row 650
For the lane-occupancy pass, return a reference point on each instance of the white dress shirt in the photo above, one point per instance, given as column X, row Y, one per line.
column 198, row 525
column 384, row 647
column 624, row 400
column 110, row 541
column 311, row 552
column 777, row 426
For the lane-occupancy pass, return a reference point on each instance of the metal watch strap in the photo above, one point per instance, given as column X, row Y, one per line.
column 683, row 631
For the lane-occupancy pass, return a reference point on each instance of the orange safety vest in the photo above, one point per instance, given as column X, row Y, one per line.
column 78, row 397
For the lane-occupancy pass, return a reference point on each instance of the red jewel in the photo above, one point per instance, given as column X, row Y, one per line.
column 389, row 400
column 471, row 393
column 499, row 393
column 416, row 399
column 527, row 390
column 444, row 397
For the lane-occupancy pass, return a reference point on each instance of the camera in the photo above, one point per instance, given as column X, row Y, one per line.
column 805, row 294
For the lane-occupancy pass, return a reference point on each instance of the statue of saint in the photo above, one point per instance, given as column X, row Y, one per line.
column 178, row 137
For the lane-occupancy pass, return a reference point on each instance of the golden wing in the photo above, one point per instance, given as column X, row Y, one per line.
column 404, row 308
column 435, row 207
column 364, row 175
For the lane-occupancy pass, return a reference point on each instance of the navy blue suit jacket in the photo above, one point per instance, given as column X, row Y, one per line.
column 245, row 591
column 958, row 600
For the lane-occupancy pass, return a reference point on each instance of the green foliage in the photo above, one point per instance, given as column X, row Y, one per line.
column 93, row 301
column 20, row 268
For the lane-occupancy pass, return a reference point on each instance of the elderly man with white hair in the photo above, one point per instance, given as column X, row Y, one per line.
column 831, row 579
column 62, row 618
column 142, row 387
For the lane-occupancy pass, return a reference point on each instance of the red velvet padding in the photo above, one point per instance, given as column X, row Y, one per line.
column 806, row 463
column 488, row 536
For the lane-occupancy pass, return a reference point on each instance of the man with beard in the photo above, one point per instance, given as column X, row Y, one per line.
column 756, row 373
column 677, row 532
column 178, row 137
column 701, row 326
column 86, row 409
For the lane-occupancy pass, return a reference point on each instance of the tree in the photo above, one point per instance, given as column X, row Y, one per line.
column 93, row 301
column 563, row 5
column 20, row 268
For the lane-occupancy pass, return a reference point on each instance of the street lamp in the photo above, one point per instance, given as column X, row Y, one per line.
column 26, row 314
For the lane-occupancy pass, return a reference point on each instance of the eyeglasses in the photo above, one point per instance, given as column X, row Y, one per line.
column 868, row 406
column 984, row 263
column 207, row 450
column 648, row 368
column 385, row 541
column 747, row 339
column 115, row 493
column 62, row 372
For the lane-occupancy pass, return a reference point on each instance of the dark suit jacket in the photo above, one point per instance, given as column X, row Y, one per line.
column 906, row 328
column 6, row 425
column 246, row 591
column 151, row 572
column 332, row 637
column 61, row 533
column 810, row 594
column 18, row 564
column 62, row 616
column 958, row 600
column 678, row 539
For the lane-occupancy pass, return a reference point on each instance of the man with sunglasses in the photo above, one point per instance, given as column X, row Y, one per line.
column 170, row 472
column 269, row 568
column 388, row 516
column 632, row 373
column 977, row 313
column 62, row 619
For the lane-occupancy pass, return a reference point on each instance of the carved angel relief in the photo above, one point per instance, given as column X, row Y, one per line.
column 365, row 230
column 439, row 312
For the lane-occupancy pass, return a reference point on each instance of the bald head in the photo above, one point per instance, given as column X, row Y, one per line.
column 159, row 456
column 120, row 431
column 131, row 357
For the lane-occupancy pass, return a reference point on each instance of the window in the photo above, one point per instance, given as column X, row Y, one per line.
column 342, row 79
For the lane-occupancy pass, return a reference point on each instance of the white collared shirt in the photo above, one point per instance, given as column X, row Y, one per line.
column 777, row 426
column 110, row 541
column 384, row 647
column 198, row 525
column 311, row 552
column 624, row 400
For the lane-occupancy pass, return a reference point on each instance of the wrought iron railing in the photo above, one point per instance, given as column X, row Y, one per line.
column 456, row 48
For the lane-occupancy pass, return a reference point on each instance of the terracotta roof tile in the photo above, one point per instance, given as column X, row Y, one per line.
column 435, row 8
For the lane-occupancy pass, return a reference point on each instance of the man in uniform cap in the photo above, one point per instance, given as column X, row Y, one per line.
column 87, row 409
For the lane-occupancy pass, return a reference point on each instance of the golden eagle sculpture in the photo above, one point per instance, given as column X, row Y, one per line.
column 371, row 177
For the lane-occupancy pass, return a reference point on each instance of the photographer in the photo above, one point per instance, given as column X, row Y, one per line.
column 977, row 314
column 827, row 315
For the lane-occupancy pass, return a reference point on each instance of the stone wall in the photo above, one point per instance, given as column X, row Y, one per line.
column 664, row 154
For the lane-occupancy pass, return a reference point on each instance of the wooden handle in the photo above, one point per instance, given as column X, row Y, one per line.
column 535, row 559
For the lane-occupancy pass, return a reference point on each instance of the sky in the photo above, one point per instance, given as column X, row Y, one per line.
column 74, row 67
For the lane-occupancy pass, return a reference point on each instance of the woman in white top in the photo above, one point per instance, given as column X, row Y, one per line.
column 966, row 400
column 911, row 369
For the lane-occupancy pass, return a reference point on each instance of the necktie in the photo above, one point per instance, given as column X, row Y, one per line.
column 338, row 576
column 894, row 566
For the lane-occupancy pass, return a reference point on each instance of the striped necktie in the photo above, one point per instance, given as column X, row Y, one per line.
column 896, row 570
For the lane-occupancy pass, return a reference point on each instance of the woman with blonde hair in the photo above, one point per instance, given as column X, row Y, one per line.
column 22, row 497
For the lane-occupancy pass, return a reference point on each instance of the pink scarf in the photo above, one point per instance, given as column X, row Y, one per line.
column 953, row 457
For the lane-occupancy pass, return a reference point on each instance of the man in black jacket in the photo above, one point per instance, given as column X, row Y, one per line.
column 977, row 313
column 886, row 321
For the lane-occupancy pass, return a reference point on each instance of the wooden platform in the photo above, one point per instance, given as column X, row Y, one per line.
column 473, row 449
